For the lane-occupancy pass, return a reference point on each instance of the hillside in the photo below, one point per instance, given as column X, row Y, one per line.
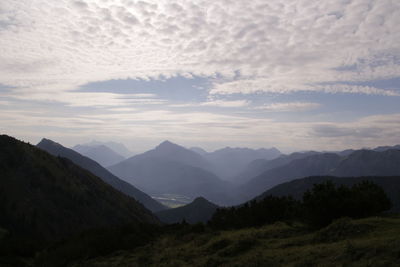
column 358, row 163
column 296, row 188
column 92, row 166
column 200, row 210
column 172, row 169
column 229, row 162
column 101, row 154
column 162, row 176
column 258, row 166
column 47, row 197
column 116, row 147
column 177, row 153
column 364, row 242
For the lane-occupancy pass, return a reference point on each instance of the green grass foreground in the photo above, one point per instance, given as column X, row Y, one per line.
column 372, row 241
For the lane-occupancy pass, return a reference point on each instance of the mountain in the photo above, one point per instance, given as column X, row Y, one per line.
column 200, row 210
column 296, row 188
column 172, row 169
column 177, row 153
column 369, row 163
column 229, row 162
column 258, row 166
column 47, row 197
column 92, row 166
column 199, row 150
column 101, row 154
column 384, row 148
column 358, row 163
column 118, row 148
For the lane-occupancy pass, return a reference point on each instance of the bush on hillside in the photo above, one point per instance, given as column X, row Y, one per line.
column 256, row 213
column 326, row 202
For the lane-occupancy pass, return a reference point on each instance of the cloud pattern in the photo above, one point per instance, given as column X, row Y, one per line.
column 48, row 49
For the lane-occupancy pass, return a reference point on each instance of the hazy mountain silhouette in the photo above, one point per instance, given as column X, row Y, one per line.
column 384, row 148
column 296, row 188
column 118, row 148
column 179, row 154
column 199, row 150
column 50, row 197
column 200, row 210
column 369, row 162
column 358, row 163
column 229, row 162
column 102, row 154
column 92, row 166
column 173, row 169
column 259, row 166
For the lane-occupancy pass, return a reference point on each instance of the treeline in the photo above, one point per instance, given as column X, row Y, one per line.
column 319, row 207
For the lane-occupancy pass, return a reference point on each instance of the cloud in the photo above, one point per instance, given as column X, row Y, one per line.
column 348, row 131
column 225, row 103
column 197, row 127
column 87, row 99
column 214, row 103
column 290, row 86
column 368, row 131
column 255, row 50
column 289, row 106
column 279, row 46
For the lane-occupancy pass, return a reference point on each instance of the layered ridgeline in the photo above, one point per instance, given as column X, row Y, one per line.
column 173, row 169
column 357, row 163
column 296, row 188
column 92, row 166
column 47, row 197
column 200, row 210
column 258, row 166
column 102, row 154
column 228, row 162
column 118, row 148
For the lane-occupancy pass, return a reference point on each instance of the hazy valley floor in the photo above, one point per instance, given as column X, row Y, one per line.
column 365, row 242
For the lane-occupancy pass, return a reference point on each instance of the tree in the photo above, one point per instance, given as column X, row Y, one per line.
column 326, row 202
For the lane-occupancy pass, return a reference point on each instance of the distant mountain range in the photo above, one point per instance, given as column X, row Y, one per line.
column 92, row 166
column 102, row 154
column 118, row 148
column 46, row 197
column 200, row 210
column 228, row 162
column 259, row 166
column 173, row 169
column 357, row 163
column 296, row 188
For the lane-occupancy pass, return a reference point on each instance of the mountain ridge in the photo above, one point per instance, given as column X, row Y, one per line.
column 102, row 154
column 358, row 163
column 48, row 197
column 94, row 167
column 173, row 169
column 199, row 210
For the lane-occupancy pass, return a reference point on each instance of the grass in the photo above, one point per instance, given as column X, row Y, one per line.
column 365, row 242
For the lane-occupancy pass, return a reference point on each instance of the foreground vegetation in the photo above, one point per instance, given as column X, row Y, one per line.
column 346, row 242
column 325, row 228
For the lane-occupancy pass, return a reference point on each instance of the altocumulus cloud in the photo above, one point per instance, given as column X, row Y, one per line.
column 49, row 49
column 276, row 46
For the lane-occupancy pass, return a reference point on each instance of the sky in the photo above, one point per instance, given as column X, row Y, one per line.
column 291, row 74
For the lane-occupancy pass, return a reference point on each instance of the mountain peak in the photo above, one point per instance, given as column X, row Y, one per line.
column 200, row 200
column 167, row 143
column 168, row 146
column 47, row 142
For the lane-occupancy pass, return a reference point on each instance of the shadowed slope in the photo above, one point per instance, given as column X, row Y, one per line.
column 200, row 210
column 50, row 197
column 92, row 166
